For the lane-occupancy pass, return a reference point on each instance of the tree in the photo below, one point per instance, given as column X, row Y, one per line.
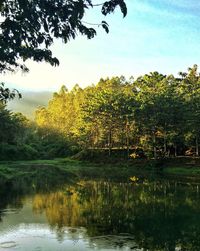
column 12, row 126
column 28, row 28
column 107, row 108
column 190, row 87
column 147, row 116
column 62, row 113
column 7, row 94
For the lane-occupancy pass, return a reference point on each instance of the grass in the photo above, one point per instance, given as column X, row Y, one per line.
column 71, row 168
column 188, row 166
column 182, row 171
column 17, row 169
column 66, row 168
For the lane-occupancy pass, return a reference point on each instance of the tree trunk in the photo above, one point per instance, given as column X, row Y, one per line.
column 109, row 142
column 165, row 145
column 154, row 145
column 197, row 146
column 127, row 137
column 127, row 145
column 122, row 140
column 175, row 150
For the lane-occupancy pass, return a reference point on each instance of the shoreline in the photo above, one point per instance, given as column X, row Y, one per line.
column 66, row 167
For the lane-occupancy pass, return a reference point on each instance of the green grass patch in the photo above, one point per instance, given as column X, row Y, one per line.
column 190, row 171
column 69, row 167
column 66, row 168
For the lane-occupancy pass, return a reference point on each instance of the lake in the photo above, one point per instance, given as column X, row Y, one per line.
column 140, row 215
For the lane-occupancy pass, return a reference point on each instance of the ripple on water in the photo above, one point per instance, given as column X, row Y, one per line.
column 10, row 211
column 8, row 244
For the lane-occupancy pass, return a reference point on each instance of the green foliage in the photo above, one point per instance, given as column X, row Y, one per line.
column 8, row 151
column 154, row 116
column 17, row 152
column 155, row 113
column 27, row 152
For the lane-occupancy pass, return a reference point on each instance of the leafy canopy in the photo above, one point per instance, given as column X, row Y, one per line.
column 28, row 28
column 7, row 94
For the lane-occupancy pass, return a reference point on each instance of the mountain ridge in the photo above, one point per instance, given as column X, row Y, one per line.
column 29, row 102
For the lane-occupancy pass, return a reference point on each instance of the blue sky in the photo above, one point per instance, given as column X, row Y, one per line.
column 156, row 35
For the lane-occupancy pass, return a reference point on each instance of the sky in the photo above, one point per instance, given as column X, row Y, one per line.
column 156, row 35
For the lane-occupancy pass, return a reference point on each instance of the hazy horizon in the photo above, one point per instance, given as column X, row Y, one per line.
column 29, row 102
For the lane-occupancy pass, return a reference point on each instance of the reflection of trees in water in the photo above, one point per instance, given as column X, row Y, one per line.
column 10, row 195
column 155, row 215
column 160, row 216
column 13, row 190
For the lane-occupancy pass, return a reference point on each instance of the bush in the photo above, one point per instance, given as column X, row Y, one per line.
column 27, row 152
column 8, row 152
column 17, row 152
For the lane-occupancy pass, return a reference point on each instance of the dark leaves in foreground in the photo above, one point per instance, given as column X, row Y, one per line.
column 28, row 28
column 7, row 94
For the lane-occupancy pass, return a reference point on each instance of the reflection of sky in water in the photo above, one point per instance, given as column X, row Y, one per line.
column 39, row 237
column 36, row 237
column 21, row 229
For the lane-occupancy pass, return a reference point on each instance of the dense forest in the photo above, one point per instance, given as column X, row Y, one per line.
column 152, row 116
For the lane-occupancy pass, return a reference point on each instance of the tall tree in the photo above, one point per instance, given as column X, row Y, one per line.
column 149, row 111
column 108, row 108
column 190, row 89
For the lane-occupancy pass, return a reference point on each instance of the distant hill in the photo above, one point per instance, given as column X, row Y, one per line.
column 29, row 102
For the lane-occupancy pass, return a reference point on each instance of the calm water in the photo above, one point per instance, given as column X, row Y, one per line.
column 100, row 215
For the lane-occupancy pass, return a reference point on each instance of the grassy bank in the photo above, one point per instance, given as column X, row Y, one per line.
column 69, row 168
column 188, row 166
column 60, row 169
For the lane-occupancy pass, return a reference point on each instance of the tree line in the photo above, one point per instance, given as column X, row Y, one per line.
column 152, row 116
column 156, row 115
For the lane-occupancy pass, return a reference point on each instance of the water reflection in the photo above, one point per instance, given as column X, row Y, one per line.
column 100, row 215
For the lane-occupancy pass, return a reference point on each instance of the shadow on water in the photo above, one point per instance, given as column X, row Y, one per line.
column 157, row 215
column 43, row 179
